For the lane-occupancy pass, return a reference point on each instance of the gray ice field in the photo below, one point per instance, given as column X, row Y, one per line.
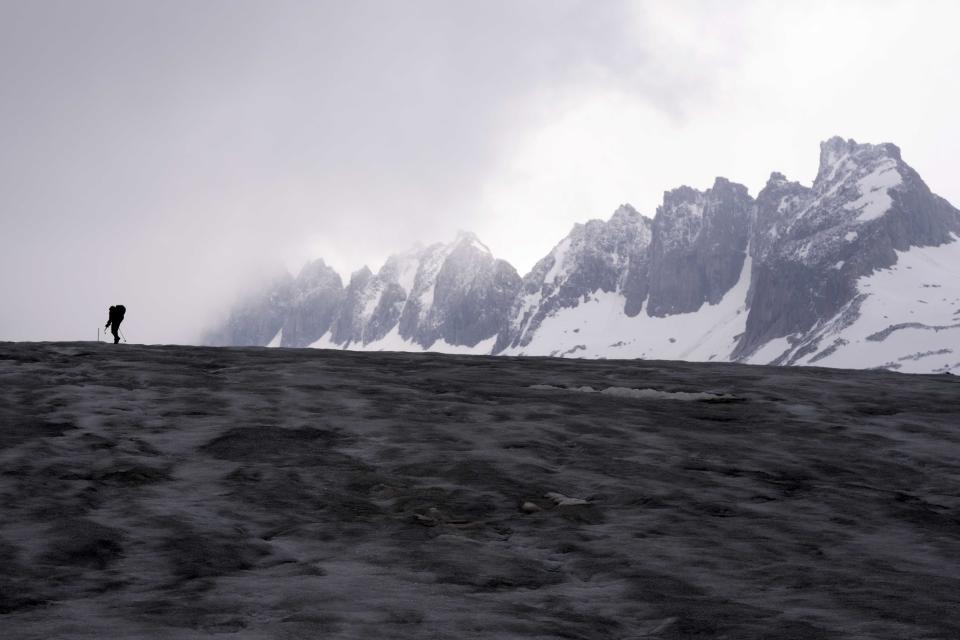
column 184, row 492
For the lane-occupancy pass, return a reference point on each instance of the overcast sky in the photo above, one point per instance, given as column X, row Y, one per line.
column 160, row 154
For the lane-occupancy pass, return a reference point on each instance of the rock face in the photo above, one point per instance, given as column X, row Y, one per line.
column 317, row 295
column 471, row 297
column 861, row 269
column 698, row 248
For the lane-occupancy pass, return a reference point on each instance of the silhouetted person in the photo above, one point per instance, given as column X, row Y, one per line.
column 114, row 320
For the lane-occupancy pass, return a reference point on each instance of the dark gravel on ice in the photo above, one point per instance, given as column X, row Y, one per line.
column 186, row 492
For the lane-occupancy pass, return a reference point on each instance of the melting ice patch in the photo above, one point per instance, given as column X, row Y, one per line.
column 641, row 394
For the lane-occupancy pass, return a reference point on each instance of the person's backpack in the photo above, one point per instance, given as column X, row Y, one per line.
column 120, row 310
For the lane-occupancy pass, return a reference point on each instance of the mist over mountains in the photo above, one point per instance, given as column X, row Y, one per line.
column 861, row 269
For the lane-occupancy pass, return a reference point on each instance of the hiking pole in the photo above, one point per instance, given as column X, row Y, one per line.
column 121, row 334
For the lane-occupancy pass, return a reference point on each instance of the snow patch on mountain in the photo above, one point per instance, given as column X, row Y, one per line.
column 476, row 244
column 770, row 352
column 276, row 339
column 559, row 255
column 599, row 328
column 405, row 268
column 426, row 278
column 908, row 317
column 371, row 295
column 875, row 200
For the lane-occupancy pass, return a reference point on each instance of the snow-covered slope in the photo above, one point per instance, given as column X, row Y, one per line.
column 598, row 327
column 597, row 257
column 843, row 272
column 905, row 317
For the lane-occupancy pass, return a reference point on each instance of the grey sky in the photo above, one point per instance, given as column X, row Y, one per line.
column 161, row 153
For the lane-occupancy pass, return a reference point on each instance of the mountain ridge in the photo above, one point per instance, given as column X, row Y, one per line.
column 714, row 274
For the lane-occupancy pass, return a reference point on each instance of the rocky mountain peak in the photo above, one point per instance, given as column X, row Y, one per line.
column 720, row 184
column 698, row 246
column 469, row 239
column 317, row 274
column 776, row 178
column 834, row 148
column 313, row 265
column 361, row 275
column 841, row 159
column 680, row 197
column 778, row 205
column 811, row 245
column 624, row 212
column 401, row 268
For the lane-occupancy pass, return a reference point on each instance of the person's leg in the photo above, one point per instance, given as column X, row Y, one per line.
column 116, row 336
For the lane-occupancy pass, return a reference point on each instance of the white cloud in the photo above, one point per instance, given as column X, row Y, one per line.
column 146, row 161
column 762, row 84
